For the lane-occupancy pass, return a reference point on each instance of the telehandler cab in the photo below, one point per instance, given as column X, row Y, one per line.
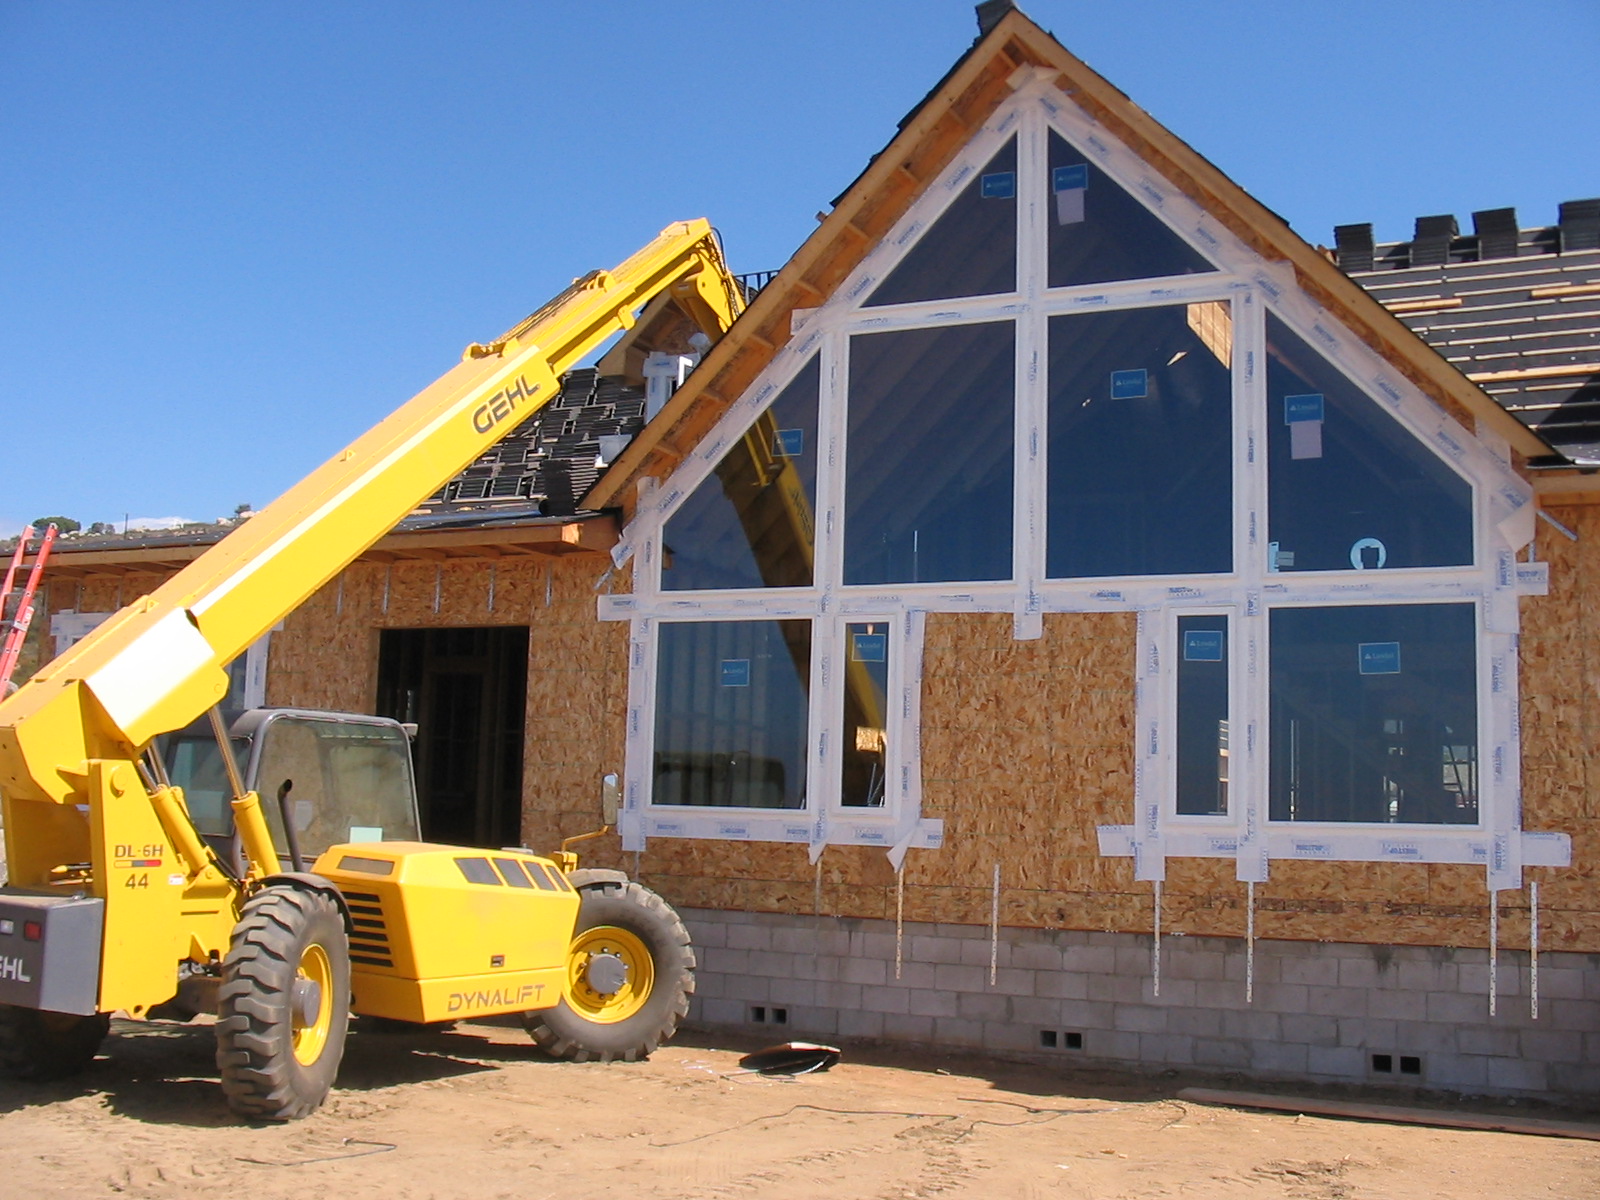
column 149, row 877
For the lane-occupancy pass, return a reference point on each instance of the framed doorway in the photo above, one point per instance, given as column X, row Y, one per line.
column 466, row 690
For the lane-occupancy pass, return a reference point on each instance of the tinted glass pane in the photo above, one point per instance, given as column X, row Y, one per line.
column 1202, row 716
column 928, row 470
column 1140, row 457
column 971, row 249
column 1348, row 485
column 1099, row 233
column 731, row 713
column 343, row 779
column 1374, row 714
column 866, row 690
column 749, row 523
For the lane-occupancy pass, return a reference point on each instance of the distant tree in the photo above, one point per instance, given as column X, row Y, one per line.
column 64, row 524
column 102, row 527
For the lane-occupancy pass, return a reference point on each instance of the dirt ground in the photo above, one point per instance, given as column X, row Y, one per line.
column 476, row 1112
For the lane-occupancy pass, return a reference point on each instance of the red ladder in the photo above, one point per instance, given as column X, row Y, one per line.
column 16, row 627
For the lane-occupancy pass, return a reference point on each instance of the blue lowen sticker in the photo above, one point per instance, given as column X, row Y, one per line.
column 869, row 647
column 1308, row 407
column 1130, row 385
column 1070, row 179
column 1379, row 658
column 788, row 443
column 736, row 672
column 1202, row 645
column 1000, row 185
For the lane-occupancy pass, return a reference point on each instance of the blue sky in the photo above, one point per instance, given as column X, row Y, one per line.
column 233, row 236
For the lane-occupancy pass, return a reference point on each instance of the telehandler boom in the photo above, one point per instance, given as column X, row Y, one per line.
column 120, row 899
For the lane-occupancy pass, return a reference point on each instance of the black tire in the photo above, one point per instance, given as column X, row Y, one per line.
column 578, row 1029
column 36, row 1045
column 279, row 1041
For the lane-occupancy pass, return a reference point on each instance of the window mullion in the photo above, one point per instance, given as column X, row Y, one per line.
column 824, row 744
column 1028, row 494
column 639, row 746
column 1248, row 698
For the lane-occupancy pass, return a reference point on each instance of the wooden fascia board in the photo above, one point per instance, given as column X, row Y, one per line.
column 592, row 535
column 1552, row 490
column 763, row 328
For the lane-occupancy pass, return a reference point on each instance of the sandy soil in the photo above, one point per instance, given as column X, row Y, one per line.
column 477, row 1112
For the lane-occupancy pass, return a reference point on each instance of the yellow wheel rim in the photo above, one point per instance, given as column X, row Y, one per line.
column 310, row 1040
column 609, row 1008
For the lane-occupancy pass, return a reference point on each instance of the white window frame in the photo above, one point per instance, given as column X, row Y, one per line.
column 1502, row 514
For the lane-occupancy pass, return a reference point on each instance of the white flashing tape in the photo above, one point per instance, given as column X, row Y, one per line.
column 1494, row 950
column 1250, row 942
column 1155, row 944
column 1330, row 843
column 994, row 929
column 1533, row 950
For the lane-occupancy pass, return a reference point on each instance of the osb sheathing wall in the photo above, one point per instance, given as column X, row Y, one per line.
column 1027, row 746
column 326, row 656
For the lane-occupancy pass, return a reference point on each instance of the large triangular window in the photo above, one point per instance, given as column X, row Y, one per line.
column 750, row 524
column 971, row 248
column 1349, row 487
column 1069, row 389
column 1099, row 233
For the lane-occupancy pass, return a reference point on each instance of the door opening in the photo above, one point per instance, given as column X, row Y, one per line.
column 466, row 689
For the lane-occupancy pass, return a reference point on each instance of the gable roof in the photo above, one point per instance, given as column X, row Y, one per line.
column 1013, row 51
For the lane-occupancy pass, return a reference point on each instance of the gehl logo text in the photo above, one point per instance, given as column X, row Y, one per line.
column 502, row 404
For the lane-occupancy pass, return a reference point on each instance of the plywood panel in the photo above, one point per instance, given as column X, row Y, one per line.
column 1027, row 747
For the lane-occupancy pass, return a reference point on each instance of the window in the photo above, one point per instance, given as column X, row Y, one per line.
column 731, row 702
column 1141, row 459
column 1375, row 714
column 1349, row 488
column 971, row 249
column 864, row 758
column 750, row 524
column 929, row 460
column 1099, row 233
column 1105, row 403
column 1202, row 789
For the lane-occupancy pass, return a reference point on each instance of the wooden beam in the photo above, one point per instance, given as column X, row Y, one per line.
column 1415, row 307
column 1535, row 373
column 588, row 535
column 1558, row 290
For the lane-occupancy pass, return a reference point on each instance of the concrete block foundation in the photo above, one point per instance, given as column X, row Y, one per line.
column 1402, row 1016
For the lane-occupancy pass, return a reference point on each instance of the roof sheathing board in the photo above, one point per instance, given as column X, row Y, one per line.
column 930, row 139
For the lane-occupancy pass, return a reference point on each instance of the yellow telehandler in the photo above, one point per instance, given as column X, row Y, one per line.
column 147, row 875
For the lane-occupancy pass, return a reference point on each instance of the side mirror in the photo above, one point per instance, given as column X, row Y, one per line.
column 609, row 795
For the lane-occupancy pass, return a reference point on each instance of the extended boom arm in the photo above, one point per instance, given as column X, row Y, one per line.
column 159, row 663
